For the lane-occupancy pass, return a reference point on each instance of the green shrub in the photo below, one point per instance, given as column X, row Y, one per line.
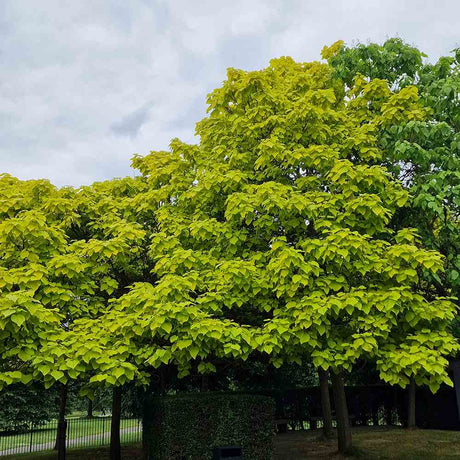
column 188, row 427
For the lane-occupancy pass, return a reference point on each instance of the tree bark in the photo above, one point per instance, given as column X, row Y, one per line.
column 115, row 446
column 341, row 409
column 62, row 424
column 325, row 402
column 90, row 408
column 411, row 424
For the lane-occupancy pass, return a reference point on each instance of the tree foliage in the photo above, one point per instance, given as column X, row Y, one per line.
column 279, row 222
column 424, row 153
column 63, row 256
column 283, row 233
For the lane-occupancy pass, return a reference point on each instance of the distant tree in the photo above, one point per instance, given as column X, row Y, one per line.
column 21, row 405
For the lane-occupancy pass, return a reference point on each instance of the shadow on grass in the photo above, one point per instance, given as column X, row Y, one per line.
column 372, row 443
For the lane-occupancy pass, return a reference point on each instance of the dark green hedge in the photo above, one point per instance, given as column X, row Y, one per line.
column 188, row 427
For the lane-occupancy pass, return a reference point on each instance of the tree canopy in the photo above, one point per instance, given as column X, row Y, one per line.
column 279, row 220
column 312, row 221
column 64, row 254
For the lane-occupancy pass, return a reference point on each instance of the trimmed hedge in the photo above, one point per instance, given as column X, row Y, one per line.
column 188, row 427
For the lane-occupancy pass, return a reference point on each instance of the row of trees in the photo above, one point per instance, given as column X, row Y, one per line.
column 316, row 221
column 23, row 405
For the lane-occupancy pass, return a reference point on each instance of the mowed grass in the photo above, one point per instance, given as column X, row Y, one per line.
column 88, row 427
column 76, row 428
column 372, row 443
column 128, row 452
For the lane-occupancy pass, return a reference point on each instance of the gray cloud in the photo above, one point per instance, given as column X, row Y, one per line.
column 85, row 85
column 130, row 124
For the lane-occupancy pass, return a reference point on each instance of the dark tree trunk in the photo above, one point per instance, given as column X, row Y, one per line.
column 115, row 446
column 162, row 381
column 90, row 408
column 204, row 383
column 341, row 409
column 411, row 424
column 146, row 416
column 325, row 402
column 62, row 424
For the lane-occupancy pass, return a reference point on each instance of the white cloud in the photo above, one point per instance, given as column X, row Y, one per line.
column 84, row 85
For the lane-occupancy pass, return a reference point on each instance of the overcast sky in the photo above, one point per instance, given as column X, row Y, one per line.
column 85, row 84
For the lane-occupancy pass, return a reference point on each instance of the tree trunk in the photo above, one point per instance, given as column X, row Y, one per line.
column 325, row 402
column 162, row 381
column 62, row 424
column 90, row 408
column 204, row 383
column 411, row 405
column 115, row 446
column 146, row 420
column 341, row 409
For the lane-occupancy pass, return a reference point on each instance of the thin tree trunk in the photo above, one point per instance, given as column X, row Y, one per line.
column 90, row 408
column 62, row 424
column 411, row 424
column 115, row 446
column 325, row 402
column 341, row 409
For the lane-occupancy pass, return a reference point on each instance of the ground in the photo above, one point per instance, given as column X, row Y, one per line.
column 370, row 443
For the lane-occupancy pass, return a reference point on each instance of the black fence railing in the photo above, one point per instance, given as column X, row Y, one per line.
column 81, row 432
column 369, row 405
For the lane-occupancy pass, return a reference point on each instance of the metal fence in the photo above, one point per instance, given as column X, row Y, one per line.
column 81, row 432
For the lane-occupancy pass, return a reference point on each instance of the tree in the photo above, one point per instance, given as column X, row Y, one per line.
column 424, row 154
column 394, row 61
column 126, row 335
column 273, row 236
column 278, row 220
column 30, row 290
column 64, row 254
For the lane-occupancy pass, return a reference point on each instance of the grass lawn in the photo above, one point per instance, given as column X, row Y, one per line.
column 87, row 427
column 132, row 452
column 370, row 443
column 76, row 428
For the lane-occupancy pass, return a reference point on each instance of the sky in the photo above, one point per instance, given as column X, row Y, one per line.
column 86, row 84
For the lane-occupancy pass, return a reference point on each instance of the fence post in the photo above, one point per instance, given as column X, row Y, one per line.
column 103, row 420
column 31, row 435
